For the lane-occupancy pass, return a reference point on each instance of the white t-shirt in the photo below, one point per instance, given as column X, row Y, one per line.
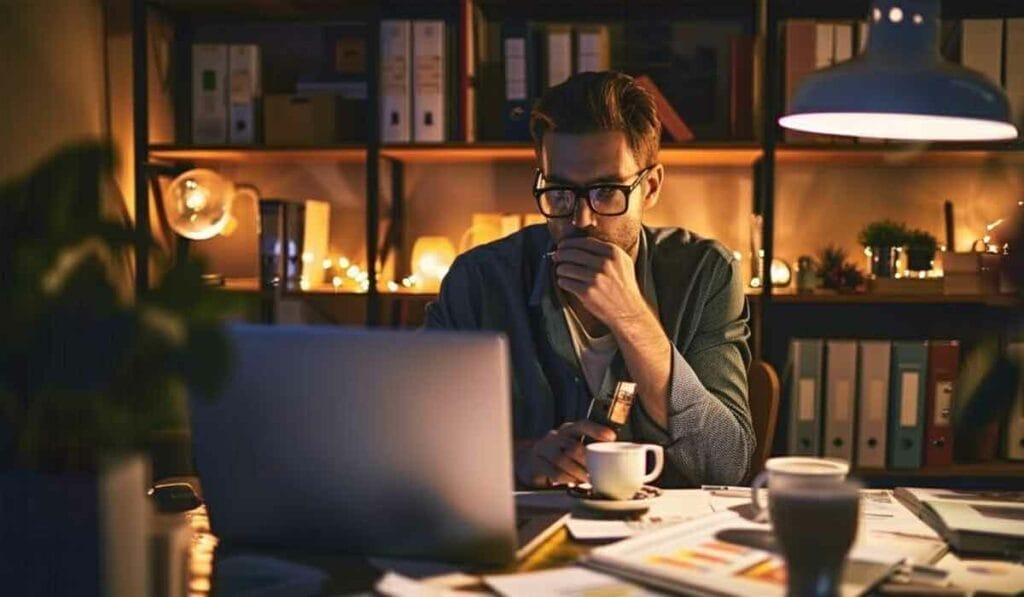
column 595, row 353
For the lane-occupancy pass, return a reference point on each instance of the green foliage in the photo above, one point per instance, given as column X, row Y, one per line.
column 836, row 272
column 884, row 233
column 922, row 240
column 84, row 368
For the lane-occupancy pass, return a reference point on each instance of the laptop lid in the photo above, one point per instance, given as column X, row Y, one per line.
column 361, row 441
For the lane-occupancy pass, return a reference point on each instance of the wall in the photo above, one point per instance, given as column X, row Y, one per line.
column 54, row 76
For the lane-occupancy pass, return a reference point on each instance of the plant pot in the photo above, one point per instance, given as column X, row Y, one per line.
column 77, row 533
column 919, row 260
column 883, row 261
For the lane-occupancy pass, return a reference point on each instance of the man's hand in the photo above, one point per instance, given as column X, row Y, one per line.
column 602, row 276
column 558, row 458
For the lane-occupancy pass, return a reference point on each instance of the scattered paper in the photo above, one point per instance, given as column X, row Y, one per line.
column 394, row 584
column 572, row 581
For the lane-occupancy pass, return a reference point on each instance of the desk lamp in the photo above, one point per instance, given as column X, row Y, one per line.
column 901, row 87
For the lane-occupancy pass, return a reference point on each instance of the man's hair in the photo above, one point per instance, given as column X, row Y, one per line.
column 597, row 102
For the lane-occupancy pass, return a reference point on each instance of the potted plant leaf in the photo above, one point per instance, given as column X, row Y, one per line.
column 921, row 248
column 836, row 273
column 88, row 375
column 884, row 239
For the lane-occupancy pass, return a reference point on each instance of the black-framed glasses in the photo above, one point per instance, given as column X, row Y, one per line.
column 604, row 199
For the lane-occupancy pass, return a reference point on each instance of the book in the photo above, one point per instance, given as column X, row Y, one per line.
column 804, row 397
column 1014, row 68
column 559, row 54
column 741, row 88
column 395, row 81
column 982, row 47
column 943, row 368
column 209, row 94
column 244, row 88
column 872, row 402
column 1013, row 439
column 671, row 123
column 723, row 553
column 518, row 60
column 592, row 48
column 840, row 385
column 906, row 404
column 973, row 522
column 428, row 81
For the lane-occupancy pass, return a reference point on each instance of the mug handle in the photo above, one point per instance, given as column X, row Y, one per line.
column 659, row 462
column 760, row 512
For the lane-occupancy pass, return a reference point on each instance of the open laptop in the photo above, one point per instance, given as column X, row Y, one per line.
column 362, row 441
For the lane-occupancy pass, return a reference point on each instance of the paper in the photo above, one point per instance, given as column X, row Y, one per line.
column 571, row 581
column 984, row 575
column 908, row 399
column 584, row 529
column 396, row 585
column 807, row 399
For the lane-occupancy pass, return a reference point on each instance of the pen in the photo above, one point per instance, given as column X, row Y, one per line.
column 550, row 254
column 725, row 488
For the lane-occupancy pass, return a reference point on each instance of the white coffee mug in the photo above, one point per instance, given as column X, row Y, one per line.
column 619, row 469
column 796, row 472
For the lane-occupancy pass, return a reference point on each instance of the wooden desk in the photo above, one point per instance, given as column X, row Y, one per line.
column 357, row 574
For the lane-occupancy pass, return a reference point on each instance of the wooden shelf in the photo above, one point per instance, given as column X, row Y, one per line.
column 900, row 155
column 708, row 155
column 982, row 469
column 999, row 300
column 242, row 155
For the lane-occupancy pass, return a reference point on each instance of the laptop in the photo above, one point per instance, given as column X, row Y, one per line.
column 362, row 441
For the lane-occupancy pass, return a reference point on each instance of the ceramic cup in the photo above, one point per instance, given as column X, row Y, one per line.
column 619, row 469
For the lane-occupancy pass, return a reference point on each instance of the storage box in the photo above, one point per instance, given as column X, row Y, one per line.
column 299, row 120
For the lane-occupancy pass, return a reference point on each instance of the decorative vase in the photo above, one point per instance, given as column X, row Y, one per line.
column 919, row 260
column 77, row 533
column 883, row 261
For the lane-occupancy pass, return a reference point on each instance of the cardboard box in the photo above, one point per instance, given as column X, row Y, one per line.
column 298, row 120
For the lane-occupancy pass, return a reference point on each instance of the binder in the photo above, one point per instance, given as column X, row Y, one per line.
column 518, row 54
column 209, row 94
column 1015, row 68
column 840, row 389
column 244, row 86
column 906, row 404
column 982, row 47
column 843, row 35
column 804, row 395
column 1013, row 446
column 943, row 367
column 824, row 45
column 592, row 49
column 395, row 81
column 559, row 54
column 428, row 81
column 801, row 56
column 872, row 402
column 741, row 87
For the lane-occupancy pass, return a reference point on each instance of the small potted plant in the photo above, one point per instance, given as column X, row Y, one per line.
column 836, row 273
column 88, row 376
column 921, row 248
column 883, row 240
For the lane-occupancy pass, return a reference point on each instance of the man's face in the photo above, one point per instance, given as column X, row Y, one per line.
column 583, row 160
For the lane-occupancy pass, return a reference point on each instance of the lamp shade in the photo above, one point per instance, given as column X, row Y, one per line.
column 198, row 204
column 431, row 258
column 901, row 87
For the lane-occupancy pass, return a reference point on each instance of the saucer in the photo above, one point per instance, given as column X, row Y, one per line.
column 642, row 500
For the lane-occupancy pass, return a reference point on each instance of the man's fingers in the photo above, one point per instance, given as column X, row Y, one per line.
column 575, row 272
column 567, row 469
column 574, row 286
column 572, row 448
column 588, row 244
column 580, row 257
column 589, row 429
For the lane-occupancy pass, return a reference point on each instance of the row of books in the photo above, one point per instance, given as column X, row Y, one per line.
column 881, row 404
column 994, row 47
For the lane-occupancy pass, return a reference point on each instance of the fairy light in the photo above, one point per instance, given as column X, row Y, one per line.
column 343, row 263
column 392, row 286
column 303, row 283
column 336, row 281
column 352, row 271
column 328, row 264
column 308, row 257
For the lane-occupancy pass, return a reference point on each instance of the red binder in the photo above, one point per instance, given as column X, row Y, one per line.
column 943, row 367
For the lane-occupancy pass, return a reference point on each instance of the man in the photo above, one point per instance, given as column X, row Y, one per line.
column 595, row 298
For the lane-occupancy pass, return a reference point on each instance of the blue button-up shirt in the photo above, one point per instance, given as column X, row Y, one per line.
column 694, row 286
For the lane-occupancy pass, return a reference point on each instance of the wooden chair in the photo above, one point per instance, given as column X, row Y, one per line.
column 763, row 393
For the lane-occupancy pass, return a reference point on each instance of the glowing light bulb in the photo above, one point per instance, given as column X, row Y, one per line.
column 343, row 263
column 336, row 281
column 392, row 286
column 352, row 271
column 327, row 263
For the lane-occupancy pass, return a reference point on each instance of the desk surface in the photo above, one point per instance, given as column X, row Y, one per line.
column 358, row 574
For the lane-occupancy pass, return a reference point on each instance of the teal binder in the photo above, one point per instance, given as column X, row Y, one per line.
column 805, row 396
column 906, row 404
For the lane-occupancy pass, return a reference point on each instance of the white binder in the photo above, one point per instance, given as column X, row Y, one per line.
column 395, row 81
column 840, row 392
column 872, row 402
column 982, row 47
column 592, row 50
column 1014, row 436
column 1015, row 68
column 428, row 81
column 209, row 94
column 243, row 89
column 559, row 54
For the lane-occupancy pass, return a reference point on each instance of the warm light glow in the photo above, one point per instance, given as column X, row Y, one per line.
column 303, row 283
column 328, row 264
column 198, row 204
column 352, row 271
column 432, row 256
column 308, row 257
column 900, row 126
column 343, row 263
column 781, row 273
column 737, row 255
column 336, row 281
column 392, row 286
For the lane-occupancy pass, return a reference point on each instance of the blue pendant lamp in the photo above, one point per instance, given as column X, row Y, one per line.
column 901, row 87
